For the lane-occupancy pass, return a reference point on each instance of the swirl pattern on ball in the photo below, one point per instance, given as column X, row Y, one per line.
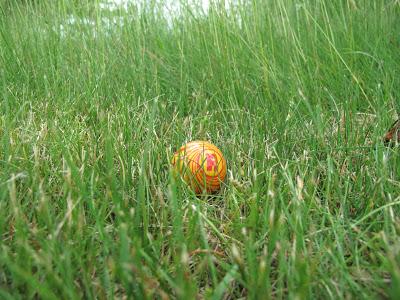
column 202, row 166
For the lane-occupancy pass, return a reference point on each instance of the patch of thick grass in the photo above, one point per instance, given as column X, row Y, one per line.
column 297, row 95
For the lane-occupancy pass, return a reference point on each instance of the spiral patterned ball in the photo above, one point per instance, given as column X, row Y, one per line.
column 201, row 165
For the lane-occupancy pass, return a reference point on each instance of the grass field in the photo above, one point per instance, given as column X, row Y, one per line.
column 297, row 95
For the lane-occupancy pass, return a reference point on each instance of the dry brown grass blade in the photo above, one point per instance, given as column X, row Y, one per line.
column 393, row 135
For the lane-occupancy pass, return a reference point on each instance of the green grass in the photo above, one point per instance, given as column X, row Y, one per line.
column 297, row 95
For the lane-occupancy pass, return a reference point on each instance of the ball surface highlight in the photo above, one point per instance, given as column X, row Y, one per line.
column 201, row 165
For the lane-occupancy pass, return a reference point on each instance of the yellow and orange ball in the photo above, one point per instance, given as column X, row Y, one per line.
column 201, row 165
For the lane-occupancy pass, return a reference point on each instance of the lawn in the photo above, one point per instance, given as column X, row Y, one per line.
column 296, row 94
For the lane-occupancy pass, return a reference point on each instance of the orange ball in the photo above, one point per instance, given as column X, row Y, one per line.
column 201, row 165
